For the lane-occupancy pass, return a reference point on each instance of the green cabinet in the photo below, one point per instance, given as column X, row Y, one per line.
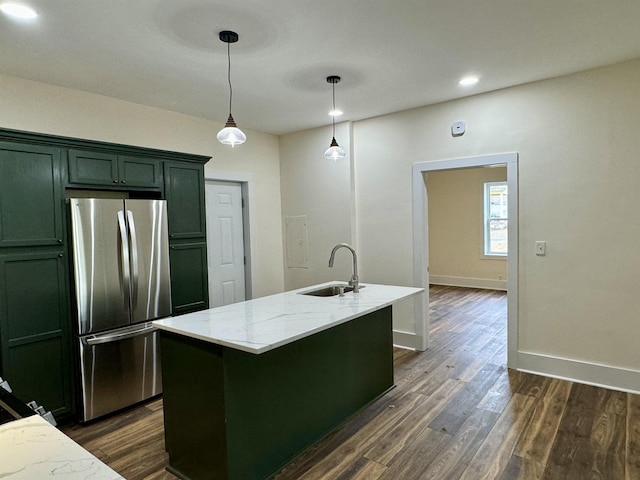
column 184, row 191
column 35, row 321
column 189, row 283
column 107, row 169
column 35, row 325
column 140, row 172
column 30, row 195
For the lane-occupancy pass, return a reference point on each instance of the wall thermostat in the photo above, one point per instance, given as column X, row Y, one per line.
column 457, row 128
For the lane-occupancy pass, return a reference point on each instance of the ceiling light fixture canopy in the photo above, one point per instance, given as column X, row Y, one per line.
column 230, row 134
column 335, row 152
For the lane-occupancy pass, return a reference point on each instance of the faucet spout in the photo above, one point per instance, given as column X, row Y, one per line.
column 354, row 282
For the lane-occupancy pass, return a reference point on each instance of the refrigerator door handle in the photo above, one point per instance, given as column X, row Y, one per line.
column 113, row 337
column 124, row 255
column 134, row 257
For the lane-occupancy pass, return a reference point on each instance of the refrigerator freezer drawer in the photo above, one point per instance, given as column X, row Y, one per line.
column 119, row 368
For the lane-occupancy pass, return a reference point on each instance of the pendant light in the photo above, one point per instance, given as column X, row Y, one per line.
column 230, row 134
column 335, row 152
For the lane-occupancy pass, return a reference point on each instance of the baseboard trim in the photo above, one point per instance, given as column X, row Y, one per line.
column 468, row 282
column 405, row 340
column 605, row 376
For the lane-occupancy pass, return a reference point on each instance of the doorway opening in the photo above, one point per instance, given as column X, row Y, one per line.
column 421, row 241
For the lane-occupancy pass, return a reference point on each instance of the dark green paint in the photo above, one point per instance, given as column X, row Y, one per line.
column 189, row 277
column 109, row 170
column 92, row 168
column 184, row 190
column 236, row 415
column 36, row 328
column 203, row 454
column 140, row 172
column 30, row 195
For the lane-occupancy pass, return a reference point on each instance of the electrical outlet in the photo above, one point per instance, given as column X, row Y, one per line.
column 541, row 248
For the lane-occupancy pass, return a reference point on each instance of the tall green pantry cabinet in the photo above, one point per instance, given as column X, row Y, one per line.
column 184, row 185
column 37, row 316
column 35, row 323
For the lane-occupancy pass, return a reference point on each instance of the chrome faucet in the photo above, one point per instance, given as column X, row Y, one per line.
column 354, row 282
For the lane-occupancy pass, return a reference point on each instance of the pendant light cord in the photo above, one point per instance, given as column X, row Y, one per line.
column 333, row 117
column 229, row 75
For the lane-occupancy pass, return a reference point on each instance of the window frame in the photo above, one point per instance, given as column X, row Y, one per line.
column 486, row 248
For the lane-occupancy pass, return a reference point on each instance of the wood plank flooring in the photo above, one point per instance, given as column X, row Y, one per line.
column 456, row 413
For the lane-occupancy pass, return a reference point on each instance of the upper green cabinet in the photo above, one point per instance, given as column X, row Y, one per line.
column 30, row 205
column 184, row 191
column 92, row 168
column 140, row 172
column 98, row 168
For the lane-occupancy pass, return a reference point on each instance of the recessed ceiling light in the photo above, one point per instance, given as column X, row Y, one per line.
column 17, row 10
column 468, row 81
column 336, row 112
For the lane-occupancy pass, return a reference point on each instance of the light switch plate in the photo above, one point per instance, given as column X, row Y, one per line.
column 541, row 248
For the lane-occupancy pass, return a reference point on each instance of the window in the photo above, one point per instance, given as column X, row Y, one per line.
column 496, row 218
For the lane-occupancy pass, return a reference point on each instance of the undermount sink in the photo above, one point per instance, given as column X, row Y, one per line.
column 329, row 290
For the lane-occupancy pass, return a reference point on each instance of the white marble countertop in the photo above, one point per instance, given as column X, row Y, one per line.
column 262, row 324
column 31, row 448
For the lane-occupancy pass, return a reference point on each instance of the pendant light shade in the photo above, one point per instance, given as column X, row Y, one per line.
column 230, row 134
column 335, row 152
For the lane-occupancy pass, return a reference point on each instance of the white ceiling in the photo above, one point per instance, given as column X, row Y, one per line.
column 391, row 54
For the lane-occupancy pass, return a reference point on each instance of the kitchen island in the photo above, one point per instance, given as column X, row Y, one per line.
column 248, row 386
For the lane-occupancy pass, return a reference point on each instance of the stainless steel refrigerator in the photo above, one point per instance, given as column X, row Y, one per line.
column 121, row 276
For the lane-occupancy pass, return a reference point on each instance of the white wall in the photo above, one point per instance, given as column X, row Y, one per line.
column 456, row 229
column 320, row 189
column 42, row 108
column 578, row 168
column 578, row 146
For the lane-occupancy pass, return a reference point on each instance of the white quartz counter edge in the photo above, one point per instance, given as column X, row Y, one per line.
column 31, row 448
column 259, row 325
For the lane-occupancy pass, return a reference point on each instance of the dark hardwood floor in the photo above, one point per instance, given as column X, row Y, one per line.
column 457, row 412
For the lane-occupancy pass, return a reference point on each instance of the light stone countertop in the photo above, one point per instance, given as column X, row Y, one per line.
column 262, row 324
column 31, row 448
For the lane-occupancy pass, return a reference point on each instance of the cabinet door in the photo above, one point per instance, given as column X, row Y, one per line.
column 189, row 285
column 139, row 172
column 184, row 191
column 92, row 168
column 31, row 205
column 35, row 328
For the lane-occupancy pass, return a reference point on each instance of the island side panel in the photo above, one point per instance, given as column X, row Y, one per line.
column 193, row 400
column 280, row 402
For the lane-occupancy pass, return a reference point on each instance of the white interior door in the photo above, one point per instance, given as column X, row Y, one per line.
column 225, row 243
